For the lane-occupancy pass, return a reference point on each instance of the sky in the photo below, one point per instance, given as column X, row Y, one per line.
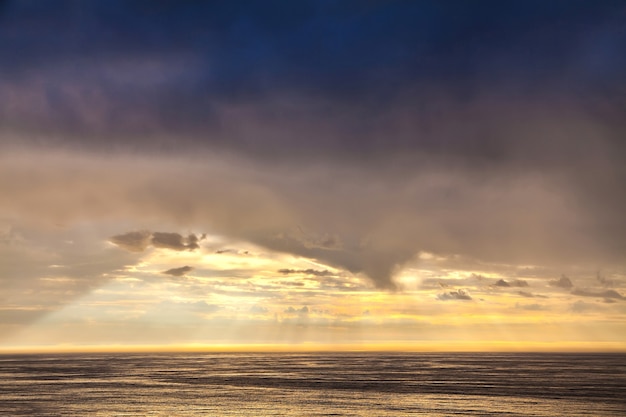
column 422, row 175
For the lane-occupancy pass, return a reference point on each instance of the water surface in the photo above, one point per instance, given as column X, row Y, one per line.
column 318, row 384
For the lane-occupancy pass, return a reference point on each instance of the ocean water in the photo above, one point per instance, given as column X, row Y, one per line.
column 318, row 384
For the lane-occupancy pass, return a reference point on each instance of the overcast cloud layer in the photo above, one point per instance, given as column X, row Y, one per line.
column 356, row 133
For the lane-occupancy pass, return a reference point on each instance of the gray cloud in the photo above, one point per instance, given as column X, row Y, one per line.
column 164, row 68
column 133, row 241
column 44, row 268
column 174, row 241
column 303, row 311
column 14, row 316
column 256, row 309
column 608, row 294
column 454, row 295
column 582, row 307
column 602, row 279
column 340, row 283
column 179, row 120
column 198, row 307
column 178, row 272
column 563, row 282
column 138, row 241
column 358, row 155
column 514, row 283
column 311, row 240
column 313, row 272
column 530, row 307
column 373, row 218
column 471, row 281
column 530, row 295
column 221, row 251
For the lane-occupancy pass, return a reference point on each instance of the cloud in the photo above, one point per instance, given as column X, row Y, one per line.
column 303, row 311
column 44, row 268
column 602, row 279
column 342, row 284
column 133, row 76
column 169, row 307
column 204, row 307
column 313, row 272
column 326, row 280
column 15, row 316
column 311, row 240
column 582, row 307
column 454, row 295
column 133, row 241
column 425, row 130
column 174, row 241
column 221, row 251
column 178, row 272
column 236, row 202
column 608, row 294
column 471, row 281
column 359, row 155
column 256, row 309
column 563, row 282
column 138, row 241
column 530, row 295
column 530, row 307
column 515, row 283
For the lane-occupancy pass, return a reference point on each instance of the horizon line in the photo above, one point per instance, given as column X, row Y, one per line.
column 390, row 347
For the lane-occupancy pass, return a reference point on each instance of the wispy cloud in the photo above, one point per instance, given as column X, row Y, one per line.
column 313, row 272
column 611, row 294
column 178, row 272
column 528, row 294
column 530, row 307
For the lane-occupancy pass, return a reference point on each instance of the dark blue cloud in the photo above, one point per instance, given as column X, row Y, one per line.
column 162, row 72
column 342, row 47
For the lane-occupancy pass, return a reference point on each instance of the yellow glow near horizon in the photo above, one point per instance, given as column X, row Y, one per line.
column 240, row 297
column 424, row 347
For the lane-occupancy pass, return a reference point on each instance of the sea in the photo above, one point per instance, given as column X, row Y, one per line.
column 313, row 384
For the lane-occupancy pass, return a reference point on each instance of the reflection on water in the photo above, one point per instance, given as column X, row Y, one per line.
column 347, row 384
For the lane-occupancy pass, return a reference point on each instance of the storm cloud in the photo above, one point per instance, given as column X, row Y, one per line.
column 383, row 218
column 357, row 134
